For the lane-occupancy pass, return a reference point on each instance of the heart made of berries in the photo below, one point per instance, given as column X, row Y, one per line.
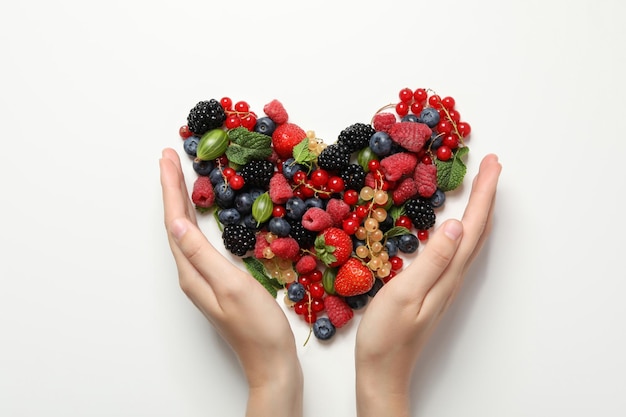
column 326, row 223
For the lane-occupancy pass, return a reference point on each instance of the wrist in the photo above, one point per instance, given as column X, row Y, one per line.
column 381, row 394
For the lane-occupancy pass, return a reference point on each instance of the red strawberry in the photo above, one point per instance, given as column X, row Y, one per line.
column 203, row 195
column 285, row 137
column 353, row 278
column 333, row 246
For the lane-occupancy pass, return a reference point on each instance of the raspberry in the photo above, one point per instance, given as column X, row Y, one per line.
column 260, row 245
column 338, row 210
column 425, row 177
column 398, row 165
column 339, row 312
column 316, row 219
column 285, row 247
column 280, row 190
column 410, row 135
column 370, row 180
column 405, row 190
column 382, row 122
column 275, row 111
column 306, row 264
column 203, row 195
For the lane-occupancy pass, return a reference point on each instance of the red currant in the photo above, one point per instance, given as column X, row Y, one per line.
column 404, row 221
column 351, row 197
column 373, row 165
column 310, row 317
column 350, row 225
column 305, row 280
column 301, row 307
column 242, row 107
column 184, row 132
column 362, row 211
column 420, row 95
column 444, row 126
column 315, row 275
column 299, row 177
column 279, row 211
column 422, row 235
column 316, row 289
column 232, row 121
column 319, row 177
column 450, row 141
column 236, row 182
column 317, row 305
column 406, row 95
column 226, row 103
column 455, row 116
column 448, row 102
column 249, row 122
column 396, row 263
column 228, row 172
column 434, row 101
column 417, row 107
column 427, row 160
column 464, row 129
column 308, row 190
column 335, row 184
column 402, row 109
column 444, row 153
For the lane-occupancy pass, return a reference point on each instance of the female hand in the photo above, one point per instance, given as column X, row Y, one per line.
column 406, row 310
column 242, row 311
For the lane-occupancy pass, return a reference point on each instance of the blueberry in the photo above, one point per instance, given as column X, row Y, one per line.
column 295, row 208
column 378, row 284
column 279, row 226
column 386, row 224
column 265, row 125
column 430, row 117
column 323, row 329
column 357, row 242
column 380, row 143
column 435, row 141
column 391, row 245
column 243, row 203
column 229, row 216
column 357, row 301
column 203, row 167
column 224, row 195
column 216, row 176
column 191, row 145
column 314, row 202
column 296, row 292
column 290, row 167
column 255, row 193
column 250, row 222
column 410, row 118
column 408, row 243
column 438, row 198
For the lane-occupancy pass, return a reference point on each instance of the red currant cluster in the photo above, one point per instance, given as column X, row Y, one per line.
column 238, row 114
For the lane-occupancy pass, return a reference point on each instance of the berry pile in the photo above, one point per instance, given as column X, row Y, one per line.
column 329, row 224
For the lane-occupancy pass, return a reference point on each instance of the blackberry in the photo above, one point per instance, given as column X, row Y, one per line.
column 238, row 239
column 353, row 177
column 356, row 137
column 257, row 173
column 334, row 158
column 421, row 213
column 205, row 116
column 304, row 237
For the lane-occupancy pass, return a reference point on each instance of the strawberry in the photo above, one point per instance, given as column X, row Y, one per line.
column 285, row 137
column 353, row 278
column 333, row 246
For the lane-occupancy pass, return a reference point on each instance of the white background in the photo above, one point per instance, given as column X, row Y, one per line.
column 92, row 321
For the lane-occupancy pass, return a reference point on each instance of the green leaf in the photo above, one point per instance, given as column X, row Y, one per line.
column 257, row 270
column 323, row 251
column 397, row 231
column 396, row 211
column 450, row 173
column 246, row 145
column 302, row 154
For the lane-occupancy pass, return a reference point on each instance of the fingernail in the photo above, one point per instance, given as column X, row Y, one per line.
column 453, row 229
column 178, row 228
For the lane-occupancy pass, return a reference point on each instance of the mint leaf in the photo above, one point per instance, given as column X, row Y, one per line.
column 246, row 145
column 450, row 173
column 396, row 211
column 397, row 231
column 257, row 270
column 302, row 154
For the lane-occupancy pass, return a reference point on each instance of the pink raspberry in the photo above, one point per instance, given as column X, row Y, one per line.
column 398, row 165
column 410, row 135
column 306, row 264
column 280, row 190
column 316, row 219
column 203, row 195
column 383, row 121
column 425, row 177
column 338, row 210
column 339, row 312
column 405, row 190
column 276, row 111
column 370, row 180
column 260, row 245
column 285, row 247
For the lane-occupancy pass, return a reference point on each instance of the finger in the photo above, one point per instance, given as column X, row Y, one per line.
column 417, row 279
column 171, row 155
